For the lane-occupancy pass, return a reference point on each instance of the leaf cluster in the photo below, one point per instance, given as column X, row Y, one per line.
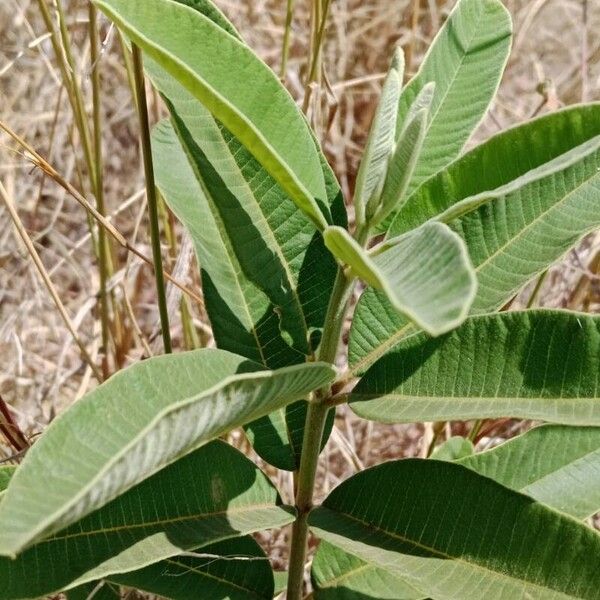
column 133, row 487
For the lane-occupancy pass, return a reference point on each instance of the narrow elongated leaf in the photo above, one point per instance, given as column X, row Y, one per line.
column 235, row 569
column 530, row 365
column 466, row 61
column 505, row 158
column 556, row 465
column 213, row 494
column 140, row 420
column 454, row 534
column 561, row 164
column 251, row 103
column 380, row 143
column 266, row 276
column 425, row 274
column 337, row 575
column 519, row 232
column 406, row 154
column 266, row 284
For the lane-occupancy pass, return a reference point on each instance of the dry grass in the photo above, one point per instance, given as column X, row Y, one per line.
column 554, row 63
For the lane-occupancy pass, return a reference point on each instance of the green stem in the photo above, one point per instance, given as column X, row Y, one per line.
column 536, row 290
column 314, row 427
column 316, row 57
column 285, row 51
column 103, row 249
column 313, row 434
column 79, row 107
column 321, row 15
column 142, row 106
column 475, row 430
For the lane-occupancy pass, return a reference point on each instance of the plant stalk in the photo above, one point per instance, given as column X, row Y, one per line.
column 536, row 290
column 313, row 434
column 287, row 34
column 321, row 14
column 103, row 248
column 142, row 106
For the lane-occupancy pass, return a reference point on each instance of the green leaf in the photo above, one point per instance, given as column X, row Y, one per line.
column 556, row 465
column 211, row 495
column 528, row 365
column 455, row 448
column 454, row 534
column 466, row 61
column 380, row 143
column 337, row 575
column 266, row 275
column 235, row 569
column 522, row 229
column 281, row 581
column 266, row 291
column 267, row 284
column 425, row 274
column 139, row 421
column 510, row 157
column 248, row 100
column 406, row 154
column 6, row 472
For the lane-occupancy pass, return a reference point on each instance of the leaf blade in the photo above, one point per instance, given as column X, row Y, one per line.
column 151, row 424
column 243, row 571
column 466, row 61
column 337, row 575
column 266, row 301
column 213, row 494
column 518, row 233
column 502, row 159
column 425, row 274
column 380, row 141
column 557, row 465
column 509, row 364
column 465, row 537
column 275, row 132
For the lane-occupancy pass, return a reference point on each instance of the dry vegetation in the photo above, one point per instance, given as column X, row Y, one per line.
column 555, row 61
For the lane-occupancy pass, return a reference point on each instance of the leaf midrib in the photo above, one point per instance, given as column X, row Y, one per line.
column 225, row 240
column 440, row 554
column 448, row 397
column 160, row 522
column 307, row 197
column 560, row 470
column 536, row 220
column 347, row 574
column 454, row 76
column 206, row 574
column 276, row 245
column 106, row 468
